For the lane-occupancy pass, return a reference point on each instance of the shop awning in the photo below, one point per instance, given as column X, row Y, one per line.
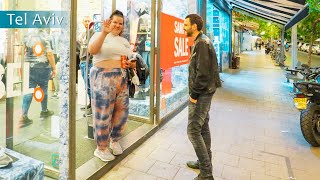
column 284, row 12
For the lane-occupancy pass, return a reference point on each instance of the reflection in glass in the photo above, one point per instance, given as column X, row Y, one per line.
column 138, row 32
column 29, row 111
column 174, row 87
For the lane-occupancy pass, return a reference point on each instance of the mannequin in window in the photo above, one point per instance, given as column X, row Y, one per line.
column 143, row 41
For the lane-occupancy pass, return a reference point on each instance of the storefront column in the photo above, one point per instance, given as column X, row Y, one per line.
column 67, row 127
column 282, row 47
column 202, row 11
column 294, row 48
column 156, row 14
column 9, row 101
column 114, row 5
column 231, row 45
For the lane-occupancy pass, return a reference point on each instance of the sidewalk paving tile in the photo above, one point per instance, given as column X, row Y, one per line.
column 252, row 165
column 279, row 171
column 140, row 163
column 163, row 170
column 117, row 173
column 163, row 155
column 254, row 127
column 137, row 175
column 184, row 174
column 225, row 158
column 235, row 173
column 259, row 176
column 181, row 159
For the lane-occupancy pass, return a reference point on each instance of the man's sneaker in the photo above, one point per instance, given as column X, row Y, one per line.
column 46, row 113
column 24, row 121
column 193, row 164
column 116, row 148
column 199, row 178
column 84, row 108
column 104, row 156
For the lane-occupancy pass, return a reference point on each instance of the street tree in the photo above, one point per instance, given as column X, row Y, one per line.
column 314, row 7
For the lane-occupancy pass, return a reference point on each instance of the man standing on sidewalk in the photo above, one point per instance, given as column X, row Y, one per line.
column 203, row 81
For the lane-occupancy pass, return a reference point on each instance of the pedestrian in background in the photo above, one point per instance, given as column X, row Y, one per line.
column 83, row 41
column 39, row 54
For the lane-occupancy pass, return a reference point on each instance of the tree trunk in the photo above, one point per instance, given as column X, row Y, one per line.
column 312, row 39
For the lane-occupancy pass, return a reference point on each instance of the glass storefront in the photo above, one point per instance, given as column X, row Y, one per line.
column 174, row 54
column 218, row 30
column 30, row 55
column 34, row 107
column 138, row 33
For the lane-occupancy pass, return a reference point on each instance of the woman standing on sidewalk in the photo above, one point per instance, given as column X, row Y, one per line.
column 109, row 86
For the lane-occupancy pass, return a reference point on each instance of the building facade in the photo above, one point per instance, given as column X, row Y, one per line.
column 60, row 144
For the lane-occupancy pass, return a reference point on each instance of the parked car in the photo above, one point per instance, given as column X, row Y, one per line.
column 300, row 45
column 316, row 49
column 289, row 44
column 305, row 47
column 313, row 46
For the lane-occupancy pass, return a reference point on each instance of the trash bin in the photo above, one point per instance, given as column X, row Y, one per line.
column 235, row 62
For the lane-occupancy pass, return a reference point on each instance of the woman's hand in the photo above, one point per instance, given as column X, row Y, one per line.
column 132, row 63
column 106, row 26
column 194, row 101
column 129, row 63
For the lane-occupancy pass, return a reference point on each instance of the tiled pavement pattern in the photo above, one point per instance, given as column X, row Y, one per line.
column 255, row 130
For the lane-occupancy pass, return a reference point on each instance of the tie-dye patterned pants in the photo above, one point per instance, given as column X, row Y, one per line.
column 110, row 101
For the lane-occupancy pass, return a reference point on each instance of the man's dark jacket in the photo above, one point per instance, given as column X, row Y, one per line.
column 203, row 68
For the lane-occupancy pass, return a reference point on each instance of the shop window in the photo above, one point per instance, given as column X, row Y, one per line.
column 218, row 29
column 29, row 86
column 174, row 69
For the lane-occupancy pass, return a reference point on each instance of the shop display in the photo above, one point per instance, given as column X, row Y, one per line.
column 22, row 167
column 5, row 160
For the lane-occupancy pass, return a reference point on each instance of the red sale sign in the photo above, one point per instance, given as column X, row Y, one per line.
column 174, row 45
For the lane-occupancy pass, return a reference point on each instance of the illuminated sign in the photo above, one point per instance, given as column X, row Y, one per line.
column 175, row 46
column 33, row 19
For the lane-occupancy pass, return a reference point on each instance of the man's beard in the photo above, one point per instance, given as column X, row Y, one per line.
column 189, row 33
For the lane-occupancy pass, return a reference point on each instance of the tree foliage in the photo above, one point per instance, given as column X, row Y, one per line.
column 267, row 29
column 314, row 7
column 304, row 27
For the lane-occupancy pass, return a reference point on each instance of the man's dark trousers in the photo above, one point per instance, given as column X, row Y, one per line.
column 199, row 133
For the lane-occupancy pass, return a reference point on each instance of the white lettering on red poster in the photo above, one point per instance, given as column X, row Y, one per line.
column 180, row 43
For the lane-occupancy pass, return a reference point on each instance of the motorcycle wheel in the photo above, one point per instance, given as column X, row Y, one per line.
column 308, row 123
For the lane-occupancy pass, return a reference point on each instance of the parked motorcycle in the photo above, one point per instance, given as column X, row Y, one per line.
column 308, row 101
column 267, row 50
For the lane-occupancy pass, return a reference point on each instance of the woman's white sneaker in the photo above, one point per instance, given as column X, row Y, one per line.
column 104, row 156
column 116, row 148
